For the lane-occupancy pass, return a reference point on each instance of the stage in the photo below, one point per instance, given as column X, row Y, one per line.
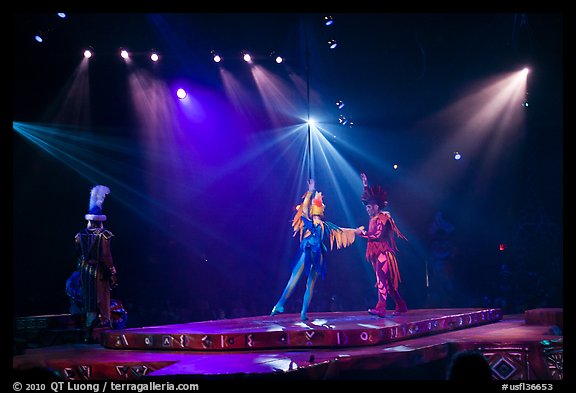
column 331, row 345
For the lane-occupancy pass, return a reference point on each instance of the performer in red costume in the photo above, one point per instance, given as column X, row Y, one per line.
column 381, row 248
column 308, row 222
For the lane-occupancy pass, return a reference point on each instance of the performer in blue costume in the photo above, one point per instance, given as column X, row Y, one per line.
column 311, row 260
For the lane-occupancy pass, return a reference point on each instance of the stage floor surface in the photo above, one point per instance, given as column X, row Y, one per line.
column 330, row 345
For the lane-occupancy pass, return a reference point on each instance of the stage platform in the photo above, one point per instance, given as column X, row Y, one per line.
column 329, row 346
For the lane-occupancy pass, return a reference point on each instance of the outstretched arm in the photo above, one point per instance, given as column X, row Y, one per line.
column 307, row 198
column 374, row 233
column 364, row 179
column 302, row 210
column 364, row 182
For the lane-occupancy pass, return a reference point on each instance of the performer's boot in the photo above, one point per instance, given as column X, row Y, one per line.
column 91, row 319
column 277, row 310
column 380, row 305
column 90, row 322
column 380, row 308
column 400, row 304
column 379, row 312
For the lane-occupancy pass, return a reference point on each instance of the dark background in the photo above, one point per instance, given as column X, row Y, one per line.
column 212, row 239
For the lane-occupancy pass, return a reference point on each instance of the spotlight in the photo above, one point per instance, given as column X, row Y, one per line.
column 328, row 20
column 277, row 58
column 41, row 35
column 457, row 155
column 340, row 104
column 216, row 57
column 395, row 166
column 181, row 93
column 525, row 102
column 342, row 120
column 154, row 56
column 124, row 54
column 88, row 53
column 61, row 15
column 247, row 58
column 332, row 44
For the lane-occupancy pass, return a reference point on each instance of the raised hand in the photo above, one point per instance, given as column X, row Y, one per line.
column 364, row 179
column 311, row 185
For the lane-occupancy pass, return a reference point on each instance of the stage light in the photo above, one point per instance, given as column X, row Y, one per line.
column 457, row 155
column 342, row 120
column 328, row 20
column 277, row 58
column 38, row 38
column 332, row 44
column 395, row 166
column 181, row 93
column 87, row 53
column 124, row 54
column 525, row 102
column 247, row 58
column 312, row 122
column 216, row 57
column 340, row 104
column 154, row 56
column 61, row 15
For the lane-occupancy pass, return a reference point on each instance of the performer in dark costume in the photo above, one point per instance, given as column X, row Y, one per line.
column 311, row 260
column 381, row 248
column 95, row 264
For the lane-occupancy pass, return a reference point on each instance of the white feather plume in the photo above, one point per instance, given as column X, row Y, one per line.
column 97, row 196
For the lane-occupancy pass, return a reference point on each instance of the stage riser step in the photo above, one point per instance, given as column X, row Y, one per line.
column 347, row 330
